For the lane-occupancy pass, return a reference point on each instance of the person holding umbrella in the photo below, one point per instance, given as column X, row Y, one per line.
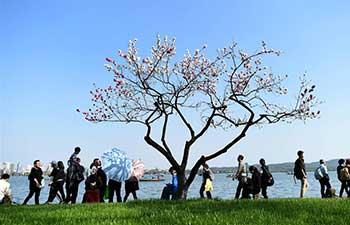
column 118, row 169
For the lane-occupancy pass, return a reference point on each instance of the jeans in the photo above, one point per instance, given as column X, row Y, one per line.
column 324, row 182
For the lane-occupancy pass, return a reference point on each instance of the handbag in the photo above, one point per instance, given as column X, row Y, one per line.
column 270, row 181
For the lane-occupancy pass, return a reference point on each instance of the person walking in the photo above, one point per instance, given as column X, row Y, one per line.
column 35, row 178
column 240, row 175
column 300, row 173
column 347, row 175
column 101, row 176
column 5, row 189
column 207, row 185
column 131, row 186
column 73, row 181
column 255, row 182
column 266, row 178
column 323, row 177
column 56, row 185
column 343, row 181
column 114, row 186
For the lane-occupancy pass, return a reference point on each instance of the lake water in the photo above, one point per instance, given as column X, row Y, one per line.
column 224, row 188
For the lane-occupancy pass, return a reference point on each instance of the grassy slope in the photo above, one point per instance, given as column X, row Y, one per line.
column 279, row 211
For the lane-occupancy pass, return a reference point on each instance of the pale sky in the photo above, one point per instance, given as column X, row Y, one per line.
column 52, row 51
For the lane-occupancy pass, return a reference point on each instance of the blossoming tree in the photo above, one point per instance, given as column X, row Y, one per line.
column 232, row 91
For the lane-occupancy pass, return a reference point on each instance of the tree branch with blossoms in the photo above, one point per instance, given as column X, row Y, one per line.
column 232, row 91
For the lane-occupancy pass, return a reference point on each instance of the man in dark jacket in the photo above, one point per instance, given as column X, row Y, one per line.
column 300, row 173
column 266, row 178
column 35, row 177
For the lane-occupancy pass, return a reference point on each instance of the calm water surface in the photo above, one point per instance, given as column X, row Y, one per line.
column 224, row 188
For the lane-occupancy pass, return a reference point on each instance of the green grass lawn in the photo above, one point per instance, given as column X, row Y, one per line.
column 277, row 211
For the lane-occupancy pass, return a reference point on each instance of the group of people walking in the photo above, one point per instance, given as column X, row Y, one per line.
column 251, row 186
column 97, row 189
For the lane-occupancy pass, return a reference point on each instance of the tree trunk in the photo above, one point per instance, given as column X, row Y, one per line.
column 182, row 188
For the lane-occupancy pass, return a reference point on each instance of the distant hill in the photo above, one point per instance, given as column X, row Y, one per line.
column 277, row 167
column 282, row 167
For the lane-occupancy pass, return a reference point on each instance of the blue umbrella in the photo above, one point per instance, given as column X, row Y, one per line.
column 116, row 165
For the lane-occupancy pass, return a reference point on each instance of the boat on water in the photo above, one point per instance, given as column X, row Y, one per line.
column 152, row 179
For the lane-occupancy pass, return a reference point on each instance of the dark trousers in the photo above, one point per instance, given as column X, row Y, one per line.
column 264, row 191
column 324, row 182
column 54, row 189
column 114, row 186
column 127, row 193
column 167, row 192
column 72, row 192
column 239, row 189
column 102, row 191
column 201, row 191
column 32, row 191
column 344, row 187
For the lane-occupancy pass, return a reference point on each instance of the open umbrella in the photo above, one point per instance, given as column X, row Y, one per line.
column 137, row 169
column 116, row 165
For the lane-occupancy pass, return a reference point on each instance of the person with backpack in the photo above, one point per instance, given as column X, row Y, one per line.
column 73, row 181
column 300, row 173
column 266, row 178
column 207, row 185
column 240, row 175
column 343, row 177
column 35, row 178
column 322, row 176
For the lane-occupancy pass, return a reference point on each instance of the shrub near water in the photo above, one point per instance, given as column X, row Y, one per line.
column 279, row 211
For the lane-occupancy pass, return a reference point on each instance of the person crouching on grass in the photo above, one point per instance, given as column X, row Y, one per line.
column 5, row 191
column 171, row 188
